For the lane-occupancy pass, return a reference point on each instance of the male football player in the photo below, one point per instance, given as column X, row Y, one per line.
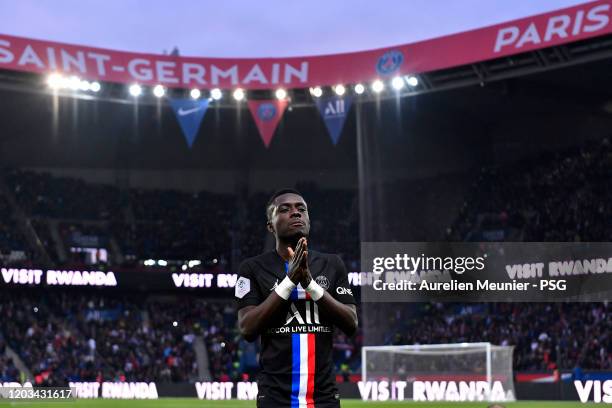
column 293, row 297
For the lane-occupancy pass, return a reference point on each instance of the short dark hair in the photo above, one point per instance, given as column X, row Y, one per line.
column 276, row 195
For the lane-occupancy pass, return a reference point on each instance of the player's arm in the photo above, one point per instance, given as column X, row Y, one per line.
column 254, row 319
column 342, row 314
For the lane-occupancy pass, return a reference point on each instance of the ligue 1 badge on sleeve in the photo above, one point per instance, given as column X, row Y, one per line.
column 243, row 286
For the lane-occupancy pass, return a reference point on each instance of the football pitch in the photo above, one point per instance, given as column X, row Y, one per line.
column 347, row 403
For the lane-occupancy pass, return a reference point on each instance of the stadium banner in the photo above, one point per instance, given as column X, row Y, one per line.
column 162, row 280
column 486, row 272
column 583, row 391
column 267, row 114
column 189, row 113
column 139, row 280
column 527, row 34
column 334, row 111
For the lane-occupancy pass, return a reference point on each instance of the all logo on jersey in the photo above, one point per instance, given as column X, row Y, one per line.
column 302, row 317
column 389, row 62
column 311, row 315
column 322, row 281
column 334, row 111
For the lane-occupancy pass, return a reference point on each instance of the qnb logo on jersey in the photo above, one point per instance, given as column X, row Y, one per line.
column 344, row 291
column 266, row 112
column 389, row 62
column 335, row 109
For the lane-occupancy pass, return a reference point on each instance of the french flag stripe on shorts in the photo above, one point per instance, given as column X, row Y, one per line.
column 302, row 370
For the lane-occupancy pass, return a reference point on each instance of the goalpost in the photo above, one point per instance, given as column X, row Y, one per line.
column 455, row 372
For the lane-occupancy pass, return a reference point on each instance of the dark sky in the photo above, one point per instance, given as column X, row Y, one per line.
column 261, row 28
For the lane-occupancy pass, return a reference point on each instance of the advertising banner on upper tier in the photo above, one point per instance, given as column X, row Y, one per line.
column 527, row 34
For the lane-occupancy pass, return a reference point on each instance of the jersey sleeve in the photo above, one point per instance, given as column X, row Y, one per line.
column 247, row 291
column 342, row 291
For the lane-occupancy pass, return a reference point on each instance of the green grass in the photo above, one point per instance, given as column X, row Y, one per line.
column 347, row 403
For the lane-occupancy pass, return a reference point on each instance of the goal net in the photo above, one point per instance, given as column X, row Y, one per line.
column 442, row 372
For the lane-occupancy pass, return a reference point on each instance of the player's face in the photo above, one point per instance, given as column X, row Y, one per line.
column 290, row 217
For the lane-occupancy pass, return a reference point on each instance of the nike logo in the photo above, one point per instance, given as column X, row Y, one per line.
column 183, row 112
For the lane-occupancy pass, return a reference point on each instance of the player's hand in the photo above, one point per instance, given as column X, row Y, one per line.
column 306, row 277
column 296, row 271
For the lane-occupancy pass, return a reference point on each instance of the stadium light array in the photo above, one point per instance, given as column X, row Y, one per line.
column 216, row 94
column 74, row 83
column 281, row 94
column 54, row 81
column 159, row 91
column 359, row 89
column 412, row 81
column 339, row 89
column 57, row 81
column 317, row 92
column 239, row 94
column 378, row 86
column 195, row 93
column 397, row 83
column 135, row 90
column 84, row 86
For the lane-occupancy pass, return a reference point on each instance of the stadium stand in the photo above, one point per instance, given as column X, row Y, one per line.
column 559, row 196
column 545, row 336
column 562, row 195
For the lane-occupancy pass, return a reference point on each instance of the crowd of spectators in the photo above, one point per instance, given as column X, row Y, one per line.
column 45, row 195
column 215, row 228
column 11, row 239
column 557, row 196
column 8, row 371
column 545, row 336
column 65, row 337
column 562, row 196
column 177, row 225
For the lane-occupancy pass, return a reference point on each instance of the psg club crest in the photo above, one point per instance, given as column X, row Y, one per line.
column 389, row 62
column 322, row 281
column 266, row 112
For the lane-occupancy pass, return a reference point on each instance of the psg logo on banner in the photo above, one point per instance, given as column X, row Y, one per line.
column 334, row 111
column 389, row 62
column 189, row 113
column 267, row 114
